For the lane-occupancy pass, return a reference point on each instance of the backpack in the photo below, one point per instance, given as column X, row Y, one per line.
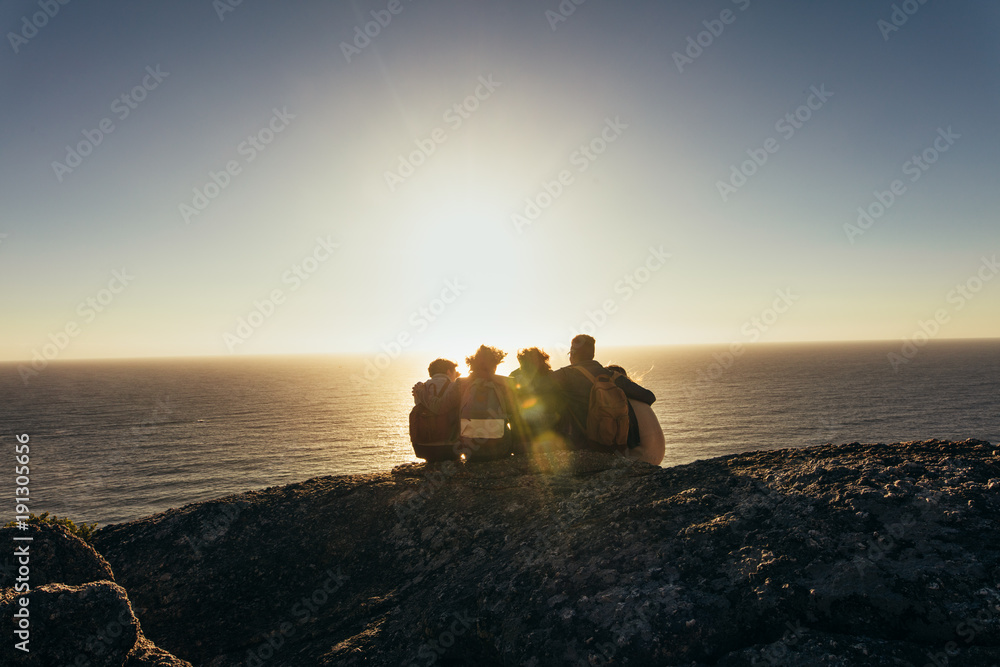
column 607, row 412
column 433, row 435
column 482, row 414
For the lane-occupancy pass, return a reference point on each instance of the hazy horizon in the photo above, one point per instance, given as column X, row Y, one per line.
column 417, row 359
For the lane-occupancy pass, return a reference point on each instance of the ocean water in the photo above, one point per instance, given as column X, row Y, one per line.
column 113, row 441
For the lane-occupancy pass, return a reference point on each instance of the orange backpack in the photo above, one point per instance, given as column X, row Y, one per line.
column 607, row 412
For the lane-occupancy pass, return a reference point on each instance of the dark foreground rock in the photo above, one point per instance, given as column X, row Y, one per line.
column 58, row 614
column 834, row 555
column 56, row 557
column 75, row 614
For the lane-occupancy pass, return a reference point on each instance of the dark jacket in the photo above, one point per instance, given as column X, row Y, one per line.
column 575, row 388
column 539, row 404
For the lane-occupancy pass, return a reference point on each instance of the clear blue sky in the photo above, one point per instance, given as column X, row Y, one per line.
column 343, row 234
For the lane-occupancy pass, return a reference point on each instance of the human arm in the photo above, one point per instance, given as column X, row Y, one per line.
column 447, row 400
column 635, row 391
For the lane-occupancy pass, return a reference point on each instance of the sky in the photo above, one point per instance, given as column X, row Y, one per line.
column 219, row 178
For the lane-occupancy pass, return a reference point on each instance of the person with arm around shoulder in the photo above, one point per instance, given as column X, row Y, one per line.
column 650, row 445
column 434, row 434
column 485, row 404
column 576, row 381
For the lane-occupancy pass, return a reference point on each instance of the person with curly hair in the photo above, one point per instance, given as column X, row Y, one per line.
column 539, row 403
column 486, row 407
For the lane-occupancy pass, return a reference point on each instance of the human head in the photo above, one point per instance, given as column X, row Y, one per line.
column 533, row 360
column 445, row 366
column 617, row 369
column 581, row 348
column 485, row 360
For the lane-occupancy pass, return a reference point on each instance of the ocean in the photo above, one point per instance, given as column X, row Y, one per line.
column 115, row 440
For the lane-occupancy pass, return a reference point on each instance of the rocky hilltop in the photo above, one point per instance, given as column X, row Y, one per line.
column 834, row 555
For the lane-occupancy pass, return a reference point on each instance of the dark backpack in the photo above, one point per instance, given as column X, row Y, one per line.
column 433, row 435
column 607, row 411
column 483, row 430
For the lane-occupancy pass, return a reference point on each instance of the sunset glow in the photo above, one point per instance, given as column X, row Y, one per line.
column 271, row 182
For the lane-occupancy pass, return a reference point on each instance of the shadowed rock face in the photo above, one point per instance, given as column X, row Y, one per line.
column 57, row 557
column 832, row 555
column 59, row 615
column 76, row 615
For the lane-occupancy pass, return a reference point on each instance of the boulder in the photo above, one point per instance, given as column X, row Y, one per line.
column 57, row 557
column 69, row 625
column 67, row 605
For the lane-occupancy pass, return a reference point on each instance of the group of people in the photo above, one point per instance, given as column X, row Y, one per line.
column 485, row 416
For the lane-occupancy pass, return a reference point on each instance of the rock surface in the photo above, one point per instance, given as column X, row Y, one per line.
column 57, row 557
column 833, row 555
column 76, row 614
column 71, row 625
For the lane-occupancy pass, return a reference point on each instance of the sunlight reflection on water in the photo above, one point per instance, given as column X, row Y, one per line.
column 113, row 441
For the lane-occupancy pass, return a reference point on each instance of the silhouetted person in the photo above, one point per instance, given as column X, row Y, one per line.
column 539, row 401
column 648, row 443
column 576, row 382
column 486, row 407
column 434, row 435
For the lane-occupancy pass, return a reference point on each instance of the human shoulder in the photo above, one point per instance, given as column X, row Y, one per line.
column 437, row 383
column 592, row 366
column 560, row 375
column 508, row 382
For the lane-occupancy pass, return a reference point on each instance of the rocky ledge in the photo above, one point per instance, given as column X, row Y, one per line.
column 856, row 554
column 75, row 613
